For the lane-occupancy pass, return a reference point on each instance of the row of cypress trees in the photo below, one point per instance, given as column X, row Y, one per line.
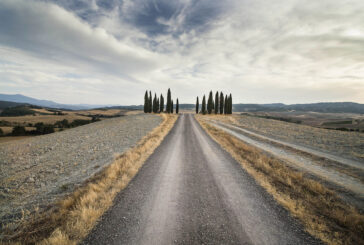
column 156, row 105
column 221, row 105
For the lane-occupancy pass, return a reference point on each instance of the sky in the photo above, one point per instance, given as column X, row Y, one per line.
column 111, row 51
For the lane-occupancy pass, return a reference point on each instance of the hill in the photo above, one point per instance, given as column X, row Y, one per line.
column 18, row 98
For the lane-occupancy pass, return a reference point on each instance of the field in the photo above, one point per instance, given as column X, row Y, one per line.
column 39, row 170
column 56, row 120
column 334, row 121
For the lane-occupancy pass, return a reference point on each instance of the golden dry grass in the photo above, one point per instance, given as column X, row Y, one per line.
column 319, row 209
column 72, row 218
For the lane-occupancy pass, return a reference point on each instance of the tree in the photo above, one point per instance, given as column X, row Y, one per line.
column 157, row 110
column 177, row 106
column 172, row 106
column 203, row 109
column 150, row 102
column 226, row 105
column 161, row 104
column 197, row 105
column 169, row 100
column 155, row 106
column 217, row 102
column 209, row 103
column 146, row 101
column 230, row 104
column 221, row 103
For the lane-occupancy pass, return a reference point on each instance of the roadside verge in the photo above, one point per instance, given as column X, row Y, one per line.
column 70, row 220
column 322, row 213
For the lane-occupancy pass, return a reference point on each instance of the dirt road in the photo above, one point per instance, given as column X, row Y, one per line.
column 190, row 191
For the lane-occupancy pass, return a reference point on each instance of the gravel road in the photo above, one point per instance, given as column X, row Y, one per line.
column 190, row 191
column 37, row 171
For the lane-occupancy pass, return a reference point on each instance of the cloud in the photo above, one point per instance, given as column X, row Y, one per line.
column 288, row 51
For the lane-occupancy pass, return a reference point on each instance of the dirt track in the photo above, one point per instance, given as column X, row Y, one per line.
column 190, row 191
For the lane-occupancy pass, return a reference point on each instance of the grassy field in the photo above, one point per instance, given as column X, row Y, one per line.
column 322, row 212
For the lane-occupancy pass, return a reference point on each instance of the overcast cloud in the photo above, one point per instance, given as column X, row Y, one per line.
column 111, row 51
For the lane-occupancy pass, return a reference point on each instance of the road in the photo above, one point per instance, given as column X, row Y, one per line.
column 190, row 191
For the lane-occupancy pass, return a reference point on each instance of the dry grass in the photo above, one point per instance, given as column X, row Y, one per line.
column 322, row 213
column 72, row 218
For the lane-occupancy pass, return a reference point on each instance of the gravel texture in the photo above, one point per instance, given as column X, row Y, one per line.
column 37, row 171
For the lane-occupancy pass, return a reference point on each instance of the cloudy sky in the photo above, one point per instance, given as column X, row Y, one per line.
column 111, row 51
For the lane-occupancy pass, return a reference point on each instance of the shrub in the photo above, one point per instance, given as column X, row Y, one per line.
column 18, row 131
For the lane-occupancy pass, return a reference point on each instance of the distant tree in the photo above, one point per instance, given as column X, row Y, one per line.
column 18, row 131
column 169, row 100
column 203, row 108
column 172, row 106
column 177, row 106
column 221, row 103
column 209, row 103
column 161, row 104
column 146, row 102
column 155, row 108
column 226, row 105
column 197, row 105
column 230, row 104
column 150, row 102
column 157, row 105
column 217, row 102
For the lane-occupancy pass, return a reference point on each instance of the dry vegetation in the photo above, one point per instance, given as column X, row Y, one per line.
column 72, row 218
column 322, row 213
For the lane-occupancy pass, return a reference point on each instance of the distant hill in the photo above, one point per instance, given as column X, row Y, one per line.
column 328, row 107
column 8, row 104
column 18, row 98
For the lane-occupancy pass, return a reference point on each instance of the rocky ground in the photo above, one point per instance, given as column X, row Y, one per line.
column 35, row 172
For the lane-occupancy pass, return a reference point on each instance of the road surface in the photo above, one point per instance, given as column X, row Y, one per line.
column 190, row 191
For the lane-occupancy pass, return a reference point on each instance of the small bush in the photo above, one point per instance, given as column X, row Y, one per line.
column 18, row 131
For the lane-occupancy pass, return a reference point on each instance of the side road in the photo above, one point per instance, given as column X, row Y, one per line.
column 190, row 191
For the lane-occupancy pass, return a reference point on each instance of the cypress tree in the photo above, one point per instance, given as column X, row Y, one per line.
column 209, row 103
column 221, row 103
column 169, row 101
column 150, row 102
column 197, row 105
column 217, row 102
column 226, row 105
column 203, row 109
column 161, row 104
column 230, row 104
column 177, row 107
column 157, row 104
column 146, row 101
column 172, row 106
